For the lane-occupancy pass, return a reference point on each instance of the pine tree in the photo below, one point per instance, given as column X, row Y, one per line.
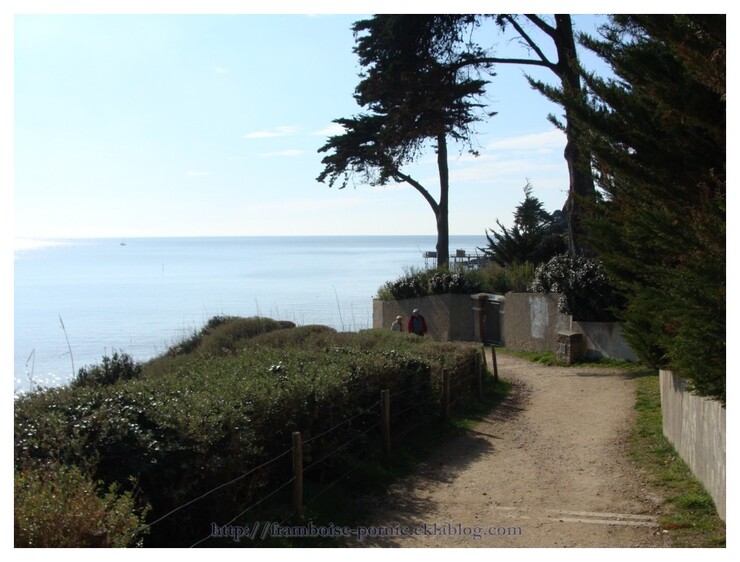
column 657, row 133
column 414, row 94
column 535, row 237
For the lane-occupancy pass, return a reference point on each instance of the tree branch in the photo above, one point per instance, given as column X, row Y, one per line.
column 420, row 188
column 497, row 60
column 539, row 22
column 524, row 35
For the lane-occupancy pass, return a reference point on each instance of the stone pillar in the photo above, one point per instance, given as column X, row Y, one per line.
column 569, row 347
column 479, row 316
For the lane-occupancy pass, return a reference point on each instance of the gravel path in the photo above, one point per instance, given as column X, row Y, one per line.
column 548, row 468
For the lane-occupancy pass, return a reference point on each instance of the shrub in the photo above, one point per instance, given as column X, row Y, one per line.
column 222, row 334
column 406, row 287
column 519, row 276
column 57, row 506
column 211, row 418
column 585, row 291
column 444, row 282
column 112, row 369
column 430, row 282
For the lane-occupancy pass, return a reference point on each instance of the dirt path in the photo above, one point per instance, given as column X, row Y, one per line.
column 548, row 468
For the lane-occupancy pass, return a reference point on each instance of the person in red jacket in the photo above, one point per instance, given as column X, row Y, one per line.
column 417, row 324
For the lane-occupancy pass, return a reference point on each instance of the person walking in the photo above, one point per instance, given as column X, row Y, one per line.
column 417, row 324
column 397, row 326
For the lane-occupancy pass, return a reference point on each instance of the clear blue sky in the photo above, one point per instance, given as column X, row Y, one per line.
column 191, row 125
column 196, row 125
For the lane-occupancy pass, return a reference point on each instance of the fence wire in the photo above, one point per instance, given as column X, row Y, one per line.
column 355, row 438
column 340, row 424
column 220, row 486
column 251, row 507
column 425, row 419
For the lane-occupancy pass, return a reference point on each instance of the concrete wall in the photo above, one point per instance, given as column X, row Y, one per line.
column 604, row 339
column 696, row 427
column 531, row 321
column 528, row 321
column 448, row 317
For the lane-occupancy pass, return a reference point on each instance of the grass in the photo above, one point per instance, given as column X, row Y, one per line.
column 689, row 514
column 543, row 357
column 549, row 358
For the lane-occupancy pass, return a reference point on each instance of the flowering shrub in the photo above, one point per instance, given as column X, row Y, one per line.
column 190, row 423
column 430, row 282
column 586, row 293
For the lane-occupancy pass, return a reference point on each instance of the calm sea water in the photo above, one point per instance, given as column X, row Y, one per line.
column 77, row 300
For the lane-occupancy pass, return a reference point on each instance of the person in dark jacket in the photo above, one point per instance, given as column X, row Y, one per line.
column 417, row 324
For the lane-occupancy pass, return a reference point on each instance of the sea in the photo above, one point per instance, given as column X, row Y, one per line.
column 77, row 300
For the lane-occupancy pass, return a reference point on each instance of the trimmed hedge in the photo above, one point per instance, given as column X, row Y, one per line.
column 212, row 418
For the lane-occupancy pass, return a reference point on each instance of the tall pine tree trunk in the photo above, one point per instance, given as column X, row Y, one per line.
column 443, row 227
column 578, row 160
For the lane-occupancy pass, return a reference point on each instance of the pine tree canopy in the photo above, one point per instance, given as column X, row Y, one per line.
column 535, row 237
column 658, row 134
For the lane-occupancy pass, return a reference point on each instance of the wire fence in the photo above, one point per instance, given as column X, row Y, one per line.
column 433, row 406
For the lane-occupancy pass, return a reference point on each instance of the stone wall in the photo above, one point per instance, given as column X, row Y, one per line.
column 604, row 339
column 448, row 317
column 531, row 321
column 696, row 427
column 525, row 321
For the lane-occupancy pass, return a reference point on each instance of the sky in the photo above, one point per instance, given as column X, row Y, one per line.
column 132, row 125
column 130, row 119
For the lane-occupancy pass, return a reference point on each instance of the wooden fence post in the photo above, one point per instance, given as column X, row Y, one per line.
column 385, row 413
column 298, row 474
column 495, row 365
column 445, row 395
column 479, row 363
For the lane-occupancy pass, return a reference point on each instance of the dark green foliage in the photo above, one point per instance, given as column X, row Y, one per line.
column 535, row 237
column 493, row 278
column 658, row 134
column 118, row 367
column 58, row 507
column 414, row 93
column 430, row 282
column 213, row 418
column 584, row 288
column 221, row 334
column 559, row 40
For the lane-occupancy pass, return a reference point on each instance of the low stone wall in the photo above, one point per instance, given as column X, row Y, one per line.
column 604, row 339
column 696, row 427
column 524, row 321
column 448, row 317
column 531, row 321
